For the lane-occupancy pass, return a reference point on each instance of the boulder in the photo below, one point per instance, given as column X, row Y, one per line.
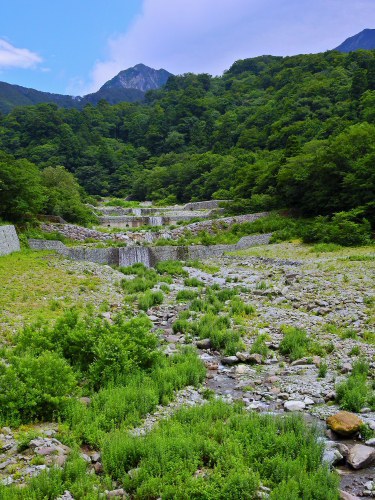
column 204, row 344
column 361, row 456
column 344, row 423
column 294, row 405
column 230, row 360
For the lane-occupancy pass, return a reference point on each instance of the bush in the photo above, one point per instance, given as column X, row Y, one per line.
column 150, row 299
column 355, row 393
column 34, row 387
column 217, row 329
column 295, row 343
column 259, row 346
column 96, row 349
column 235, row 452
column 172, row 267
column 193, row 282
column 186, row 295
column 344, row 228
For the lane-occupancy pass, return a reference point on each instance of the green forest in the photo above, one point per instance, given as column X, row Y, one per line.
column 272, row 132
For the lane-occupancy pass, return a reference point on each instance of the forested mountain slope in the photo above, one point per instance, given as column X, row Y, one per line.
column 295, row 132
column 129, row 85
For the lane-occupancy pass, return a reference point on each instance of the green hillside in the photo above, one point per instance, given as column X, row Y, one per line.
column 296, row 132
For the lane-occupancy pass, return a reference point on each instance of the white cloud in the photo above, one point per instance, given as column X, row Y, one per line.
column 13, row 57
column 209, row 35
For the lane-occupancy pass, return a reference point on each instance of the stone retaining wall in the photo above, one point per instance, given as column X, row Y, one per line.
column 79, row 233
column 9, row 241
column 149, row 256
column 203, row 205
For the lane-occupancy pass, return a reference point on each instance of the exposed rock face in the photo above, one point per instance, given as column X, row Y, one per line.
column 360, row 456
column 363, row 40
column 139, row 77
column 344, row 423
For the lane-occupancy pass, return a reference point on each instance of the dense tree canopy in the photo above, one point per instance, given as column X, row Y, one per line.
column 279, row 132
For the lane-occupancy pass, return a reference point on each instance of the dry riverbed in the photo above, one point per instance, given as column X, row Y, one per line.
column 328, row 295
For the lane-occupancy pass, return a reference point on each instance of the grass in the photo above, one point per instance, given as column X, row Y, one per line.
column 172, row 267
column 193, row 282
column 259, row 346
column 355, row 392
column 220, row 451
column 326, row 247
column 186, row 295
column 150, row 299
column 344, row 333
column 295, row 343
column 34, row 286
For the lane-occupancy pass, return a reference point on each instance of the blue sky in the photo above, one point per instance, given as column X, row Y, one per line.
column 73, row 47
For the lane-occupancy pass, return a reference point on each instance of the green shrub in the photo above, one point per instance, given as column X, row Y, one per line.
column 355, row 393
column 172, row 267
column 34, row 387
column 193, row 282
column 217, row 329
column 150, row 299
column 323, row 368
column 238, row 307
column 124, row 404
column 186, row 295
column 235, row 451
column 344, row 228
column 96, row 349
column 259, row 346
column 295, row 343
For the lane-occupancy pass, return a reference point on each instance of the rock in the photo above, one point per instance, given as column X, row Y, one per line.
column 294, row 406
column 46, row 450
column 360, row 456
column 86, row 401
column 66, row 496
column 85, row 457
column 203, row 344
column 95, row 457
column 330, row 396
column 344, row 495
column 332, row 456
column 116, row 493
column 344, row 423
column 243, row 356
column 6, row 446
column 317, row 360
column 370, row 442
column 346, row 368
column 343, row 449
column 255, row 359
column 229, row 360
column 49, row 432
column 98, row 468
column 308, row 401
column 302, row 361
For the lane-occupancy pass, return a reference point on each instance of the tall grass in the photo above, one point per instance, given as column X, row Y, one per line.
column 220, row 451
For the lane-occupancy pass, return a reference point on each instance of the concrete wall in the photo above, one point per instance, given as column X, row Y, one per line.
column 149, row 256
column 108, row 255
column 9, row 241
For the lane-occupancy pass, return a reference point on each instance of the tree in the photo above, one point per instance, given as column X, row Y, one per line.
column 22, row 195
column 63, row 195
